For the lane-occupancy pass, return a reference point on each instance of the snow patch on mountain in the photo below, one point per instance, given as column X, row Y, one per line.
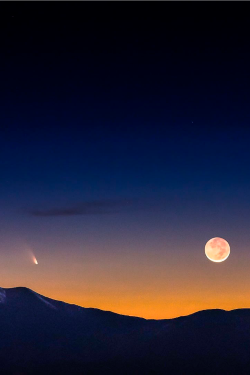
column 2, row 295
column 44, row 300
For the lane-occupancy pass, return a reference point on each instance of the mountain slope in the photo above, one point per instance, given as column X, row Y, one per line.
column 41, row 335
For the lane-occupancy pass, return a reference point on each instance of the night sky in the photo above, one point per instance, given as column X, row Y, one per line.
column 125, row 147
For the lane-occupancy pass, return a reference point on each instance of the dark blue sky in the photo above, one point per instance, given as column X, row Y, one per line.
column 123, row 132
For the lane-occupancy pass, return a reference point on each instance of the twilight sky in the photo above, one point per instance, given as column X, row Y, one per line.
column 124, row 148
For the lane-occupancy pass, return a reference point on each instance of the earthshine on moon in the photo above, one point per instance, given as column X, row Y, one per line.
column 217, row 249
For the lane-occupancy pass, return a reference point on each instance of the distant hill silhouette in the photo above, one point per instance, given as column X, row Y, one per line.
column 39, row 335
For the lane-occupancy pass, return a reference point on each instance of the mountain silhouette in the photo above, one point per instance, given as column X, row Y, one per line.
column 39, row 335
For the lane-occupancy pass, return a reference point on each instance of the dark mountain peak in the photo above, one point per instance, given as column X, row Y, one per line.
column 22, row 296
column 18, row 289
column 209, row 313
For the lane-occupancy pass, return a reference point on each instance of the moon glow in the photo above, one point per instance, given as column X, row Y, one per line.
column 217, row 249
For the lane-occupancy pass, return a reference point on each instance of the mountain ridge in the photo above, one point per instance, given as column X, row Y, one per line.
column 40, row 335
column 28, row 290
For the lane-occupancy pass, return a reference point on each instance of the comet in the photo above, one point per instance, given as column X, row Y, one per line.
column 31, row 255
column 34, row 259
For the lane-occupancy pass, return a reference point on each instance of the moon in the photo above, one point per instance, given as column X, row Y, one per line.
column 217, row 249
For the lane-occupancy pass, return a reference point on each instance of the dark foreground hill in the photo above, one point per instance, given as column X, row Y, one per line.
column 39, row 335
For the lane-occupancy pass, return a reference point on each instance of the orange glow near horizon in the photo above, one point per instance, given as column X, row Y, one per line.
column 149, row 285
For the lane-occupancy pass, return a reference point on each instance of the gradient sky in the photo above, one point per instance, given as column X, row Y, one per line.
column 124, row 148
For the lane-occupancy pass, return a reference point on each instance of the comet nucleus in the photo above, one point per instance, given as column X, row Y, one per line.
column 34, row 259
column 217, row 249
